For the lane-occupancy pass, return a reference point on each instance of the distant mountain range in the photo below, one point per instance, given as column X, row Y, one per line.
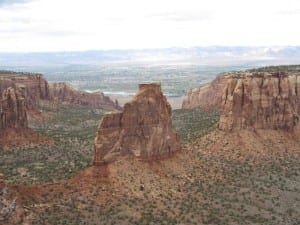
column 214, row 55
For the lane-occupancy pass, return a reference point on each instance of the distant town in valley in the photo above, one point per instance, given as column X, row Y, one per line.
column 118, row 72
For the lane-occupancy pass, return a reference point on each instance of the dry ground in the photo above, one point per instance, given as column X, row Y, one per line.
column 236, row 178
column 246, row 177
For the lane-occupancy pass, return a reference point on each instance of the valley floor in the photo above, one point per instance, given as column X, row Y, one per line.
column 236, row 178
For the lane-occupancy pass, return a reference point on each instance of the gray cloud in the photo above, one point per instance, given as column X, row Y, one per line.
column 20, row 20
column 58, row 33
column 43, row 33
column 12, row 2
column 184, row 16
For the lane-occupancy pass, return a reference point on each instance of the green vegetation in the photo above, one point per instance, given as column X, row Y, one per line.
column 205, row 188
column 197, row 187
column 194, row 123
column 175, row 79
column 78, row 123
column 281, row 68
column 8, row 72
column 73, row 130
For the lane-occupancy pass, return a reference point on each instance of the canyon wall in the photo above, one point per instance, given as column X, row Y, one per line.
column 20, row 96
column 35, row 86
column 208, row 96
column 261, row 100
column 13, row 112
column 66, row 94
column 143, row 129
column 37, row 89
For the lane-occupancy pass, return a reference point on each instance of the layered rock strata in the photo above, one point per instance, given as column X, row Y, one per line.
column 143, row 129
column 13, row 112
column 35, row 86
column 37, row 90
column 261, row 101
column 208, row 96
column 21, row 93
column 66, row 94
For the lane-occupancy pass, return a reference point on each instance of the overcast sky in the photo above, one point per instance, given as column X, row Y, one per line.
column 65, row 25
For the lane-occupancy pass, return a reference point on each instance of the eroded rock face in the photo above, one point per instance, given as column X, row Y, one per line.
column 13, row 112
column 66, row 94
column 21, row 93
column 37, row 90
column 2, row 184
column 208, row 96
column 35, row 86
column 143, row 129
column 16, row 100
column 261, row 101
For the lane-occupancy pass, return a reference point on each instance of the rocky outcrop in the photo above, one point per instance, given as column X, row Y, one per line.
column 16, row 99
column 13, row 112
column 143, row 129
column 261, row 101
column 22, row 93
column 2, row 183
column 37, row 90
column 208, row 96
column 35, row 86
column 66, row 94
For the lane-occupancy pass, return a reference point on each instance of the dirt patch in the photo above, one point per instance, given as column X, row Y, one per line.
column 20, row 138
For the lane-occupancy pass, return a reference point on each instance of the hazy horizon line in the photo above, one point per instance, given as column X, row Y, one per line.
column 152, row 48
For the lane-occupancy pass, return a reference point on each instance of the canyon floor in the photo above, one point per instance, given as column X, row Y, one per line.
column 217, row 178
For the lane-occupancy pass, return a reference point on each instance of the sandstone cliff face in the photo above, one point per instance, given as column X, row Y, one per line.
column 261, row 101
column 143, row 129
column 208, row 96
column 20, row 94
column 66, row 94
column 13, row 109
column 35, row 86
column 37, row 89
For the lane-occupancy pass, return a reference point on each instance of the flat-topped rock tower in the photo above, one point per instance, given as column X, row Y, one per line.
column 143, row 129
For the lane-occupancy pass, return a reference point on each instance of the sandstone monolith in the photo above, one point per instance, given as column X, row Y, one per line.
column 143, row 129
